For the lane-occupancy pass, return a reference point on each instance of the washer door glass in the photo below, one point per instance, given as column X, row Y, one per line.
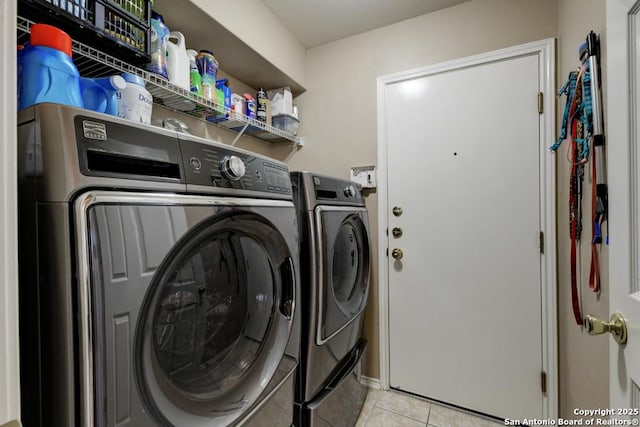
column 349, row 265
column 214, row 316
column 346, row 269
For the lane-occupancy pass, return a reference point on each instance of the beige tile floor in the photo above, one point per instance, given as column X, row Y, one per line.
column 395, row 409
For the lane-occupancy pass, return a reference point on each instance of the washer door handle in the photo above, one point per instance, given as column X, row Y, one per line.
column 287, row 302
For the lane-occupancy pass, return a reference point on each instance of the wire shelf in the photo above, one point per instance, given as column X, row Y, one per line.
column 92, row 62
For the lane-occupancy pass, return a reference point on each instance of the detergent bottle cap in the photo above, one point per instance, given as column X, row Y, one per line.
column 50, row 36
column 157, row 16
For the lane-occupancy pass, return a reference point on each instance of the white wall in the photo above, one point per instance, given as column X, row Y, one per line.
column 338, row 111
column 253, row 23
column 583, row 359
column 338, row 119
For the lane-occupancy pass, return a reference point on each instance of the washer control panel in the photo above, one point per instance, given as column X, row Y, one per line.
column 232, row 167
column 214, row 166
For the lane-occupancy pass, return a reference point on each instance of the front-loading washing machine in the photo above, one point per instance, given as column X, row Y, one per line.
column 158, row 277
column 334, row 287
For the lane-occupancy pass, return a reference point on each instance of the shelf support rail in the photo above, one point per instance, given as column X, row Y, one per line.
column 239, row 134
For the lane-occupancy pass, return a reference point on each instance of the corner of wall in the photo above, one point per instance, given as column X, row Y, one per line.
column 580, row 385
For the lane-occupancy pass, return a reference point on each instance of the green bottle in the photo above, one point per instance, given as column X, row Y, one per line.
column 194, row 75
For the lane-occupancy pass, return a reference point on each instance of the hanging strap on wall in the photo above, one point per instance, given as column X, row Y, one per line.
column 599, row 187
column 574, row 133
column 568, row 89
column 583, row 128
column 596, row 239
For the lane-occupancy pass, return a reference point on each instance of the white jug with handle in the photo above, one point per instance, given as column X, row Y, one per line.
column 178, row 60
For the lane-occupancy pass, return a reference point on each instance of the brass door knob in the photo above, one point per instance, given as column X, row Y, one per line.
column 617, row 326
column 397, row 210
column 397, row 253
column 397, row 232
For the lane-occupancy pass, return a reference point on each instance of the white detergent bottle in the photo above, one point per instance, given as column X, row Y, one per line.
column 178, row 60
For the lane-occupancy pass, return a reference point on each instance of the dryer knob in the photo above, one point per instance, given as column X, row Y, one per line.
column 232, row 167
column 349, row 191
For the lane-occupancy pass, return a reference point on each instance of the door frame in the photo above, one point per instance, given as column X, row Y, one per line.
column 545, row 49
column 621, row 107
column 9, row 343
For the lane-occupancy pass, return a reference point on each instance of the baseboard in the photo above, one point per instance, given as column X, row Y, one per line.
column 370, row 382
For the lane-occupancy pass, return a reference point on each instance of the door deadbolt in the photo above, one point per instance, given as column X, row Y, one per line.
column 397, row 232
column 617, row 326
column 397, row 210
column 397, row 253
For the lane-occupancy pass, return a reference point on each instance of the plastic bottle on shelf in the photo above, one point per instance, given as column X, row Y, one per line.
column 250, row 106
column 47, row 72
column 261, row 108
column 178, row 60
column 101, row 94
column 208, row 67
column 237, row 105
column 159, row 36
column 195, row 81
column 135, row 102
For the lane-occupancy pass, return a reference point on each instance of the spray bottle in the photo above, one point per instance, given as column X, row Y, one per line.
column 194, row 75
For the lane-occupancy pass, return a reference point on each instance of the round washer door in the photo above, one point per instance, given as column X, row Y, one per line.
column 346, row 269
column 215, row 321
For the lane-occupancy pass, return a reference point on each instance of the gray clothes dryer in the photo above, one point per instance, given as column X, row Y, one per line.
column 158, row 277
column 334, row 286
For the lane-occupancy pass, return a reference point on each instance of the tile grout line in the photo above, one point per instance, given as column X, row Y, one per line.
column 411, row 399
column 406, row 416
column 398, row 414
column 373, row 405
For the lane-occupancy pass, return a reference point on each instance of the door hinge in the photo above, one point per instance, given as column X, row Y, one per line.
column 540, row 103
column 543, row 381
column 542, row 242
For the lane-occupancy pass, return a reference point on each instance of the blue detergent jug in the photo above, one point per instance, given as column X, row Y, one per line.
column 47, row 72
column 101, row 94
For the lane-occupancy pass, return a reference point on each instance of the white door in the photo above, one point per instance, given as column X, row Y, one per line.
column 623, row 139
column 466, row 298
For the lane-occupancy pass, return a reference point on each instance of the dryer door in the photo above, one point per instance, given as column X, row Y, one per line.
column 208, row 292
column 345, row 267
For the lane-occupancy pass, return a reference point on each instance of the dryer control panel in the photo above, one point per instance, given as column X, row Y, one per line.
column 216, row 166
column 328, row 188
